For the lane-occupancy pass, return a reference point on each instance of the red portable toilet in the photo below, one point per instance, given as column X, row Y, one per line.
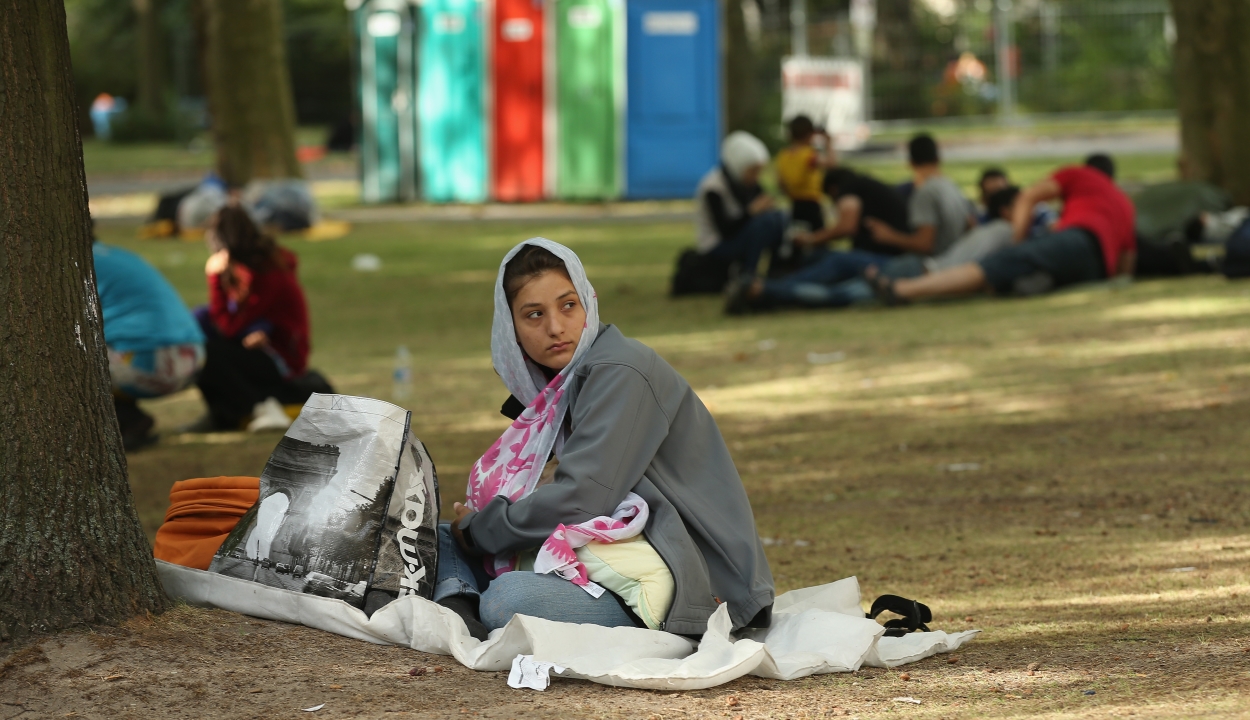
column 517, row 155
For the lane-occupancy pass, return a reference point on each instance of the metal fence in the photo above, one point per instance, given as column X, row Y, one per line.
column 957, row 58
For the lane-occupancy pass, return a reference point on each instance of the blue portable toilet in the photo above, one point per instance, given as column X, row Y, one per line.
column 451, row 101
column 673, row 116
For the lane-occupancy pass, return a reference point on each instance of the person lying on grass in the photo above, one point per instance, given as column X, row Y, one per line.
column 1094, row 240
column 613, row 474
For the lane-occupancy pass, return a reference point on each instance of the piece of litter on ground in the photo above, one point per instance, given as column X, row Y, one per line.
column 825, row 358
column 530, row 673
column 1090, row 692
column 767, row 541
column 314, row 708
column 911, row 700
column 1183, row 569
column 801, row 543
column 366, row 262
column 766, row 345
column 961, row 467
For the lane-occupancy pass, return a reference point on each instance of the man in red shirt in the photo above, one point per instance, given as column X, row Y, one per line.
column 1094, row 239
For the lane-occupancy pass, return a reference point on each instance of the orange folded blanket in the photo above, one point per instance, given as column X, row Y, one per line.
column 202, row 512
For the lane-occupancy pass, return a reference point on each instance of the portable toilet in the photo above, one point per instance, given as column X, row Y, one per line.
column 517, row 54
column 673, row 69
column 589, row 97
column 385, row 34
column 450, row 100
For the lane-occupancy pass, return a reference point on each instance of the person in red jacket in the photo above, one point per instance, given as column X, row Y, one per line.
column 1094, row 239
column 256, row 324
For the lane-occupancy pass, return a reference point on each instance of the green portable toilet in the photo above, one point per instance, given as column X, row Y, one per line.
column 589, row 98
column 385, row 34
column 451, row 101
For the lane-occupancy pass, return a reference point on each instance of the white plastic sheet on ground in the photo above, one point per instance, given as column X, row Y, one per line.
column 815, row 630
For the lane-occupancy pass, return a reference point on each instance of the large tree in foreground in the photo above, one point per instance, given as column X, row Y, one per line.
column 249, row 90
column 71, row 548
column 1212, row 61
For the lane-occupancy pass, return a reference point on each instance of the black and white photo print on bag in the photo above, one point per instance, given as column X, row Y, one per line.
column 327, row 506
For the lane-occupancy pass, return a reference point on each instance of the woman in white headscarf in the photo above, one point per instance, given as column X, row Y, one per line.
column 637, row 459
column 736, row 220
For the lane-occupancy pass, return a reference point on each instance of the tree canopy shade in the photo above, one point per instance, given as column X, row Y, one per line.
column 71, row 548
column 249, row 90
column 1213, row 92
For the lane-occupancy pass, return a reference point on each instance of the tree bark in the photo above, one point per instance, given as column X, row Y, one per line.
column 1212, row 63
column 249, row 91
column 152, row 58
column 71, row 548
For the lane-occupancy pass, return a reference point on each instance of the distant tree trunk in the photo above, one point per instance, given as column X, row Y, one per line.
column 1213, row 92
column 741, row 85
column 249, row 90
column 152, row 58
column 71, row 548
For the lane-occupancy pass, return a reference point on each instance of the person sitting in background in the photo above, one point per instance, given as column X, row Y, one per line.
column 858, row 199
column 994, row 179
column 256, row 323
column 155, row 347
column 937, row 210
column 800, row 172
column 1093, row 240
column 735, row 219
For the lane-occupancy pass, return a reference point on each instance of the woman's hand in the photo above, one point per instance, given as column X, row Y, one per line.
column 256, row 339
column 760, row 204
column 217, row 263
column 456, row 532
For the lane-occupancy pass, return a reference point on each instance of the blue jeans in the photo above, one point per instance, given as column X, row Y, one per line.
column 521, row 592
column 831, row 281
column 763, row 232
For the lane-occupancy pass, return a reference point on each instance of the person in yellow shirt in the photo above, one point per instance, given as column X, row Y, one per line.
column 801, row 168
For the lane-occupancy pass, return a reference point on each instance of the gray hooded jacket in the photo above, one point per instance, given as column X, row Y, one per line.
column 637, row 425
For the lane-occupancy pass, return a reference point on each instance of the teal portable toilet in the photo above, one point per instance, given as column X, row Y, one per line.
column 451, row 99
column 385, row 34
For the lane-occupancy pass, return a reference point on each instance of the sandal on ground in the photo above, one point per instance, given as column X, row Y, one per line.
column 915, row 615
column 883, row 288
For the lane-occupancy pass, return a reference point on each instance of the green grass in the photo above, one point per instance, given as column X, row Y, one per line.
column 1039, row 465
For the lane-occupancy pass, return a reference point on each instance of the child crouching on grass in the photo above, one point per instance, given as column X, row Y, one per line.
column 637, row 459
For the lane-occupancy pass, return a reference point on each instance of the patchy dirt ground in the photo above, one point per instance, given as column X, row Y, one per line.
column 1069, row 474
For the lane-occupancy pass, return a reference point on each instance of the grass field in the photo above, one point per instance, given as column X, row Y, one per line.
column 1068, row 474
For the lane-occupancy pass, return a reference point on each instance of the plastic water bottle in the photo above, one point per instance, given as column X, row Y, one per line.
column 402, row 378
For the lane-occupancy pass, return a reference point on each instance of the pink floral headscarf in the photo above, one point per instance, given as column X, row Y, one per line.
column 513, row 465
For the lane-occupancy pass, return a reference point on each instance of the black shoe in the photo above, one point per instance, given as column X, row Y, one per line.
column 134, row 424
column 737, row 301
column 466, row 608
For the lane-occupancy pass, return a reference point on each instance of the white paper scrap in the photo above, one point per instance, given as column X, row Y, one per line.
column 911, row 700
column 314, row 708
column 530, row 673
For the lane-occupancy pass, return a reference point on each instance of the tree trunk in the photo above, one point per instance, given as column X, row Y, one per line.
column 740, row 88
column 249, row 90
column 71, row 548
column 1213, row 92
column 152, row 58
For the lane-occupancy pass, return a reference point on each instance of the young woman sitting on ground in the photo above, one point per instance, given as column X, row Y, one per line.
column 609, row 446
column 256, row 326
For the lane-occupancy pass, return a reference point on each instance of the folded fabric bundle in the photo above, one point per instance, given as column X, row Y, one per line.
column 202, row 512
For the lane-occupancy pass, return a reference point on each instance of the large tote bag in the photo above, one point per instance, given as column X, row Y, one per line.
column 348, row 508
